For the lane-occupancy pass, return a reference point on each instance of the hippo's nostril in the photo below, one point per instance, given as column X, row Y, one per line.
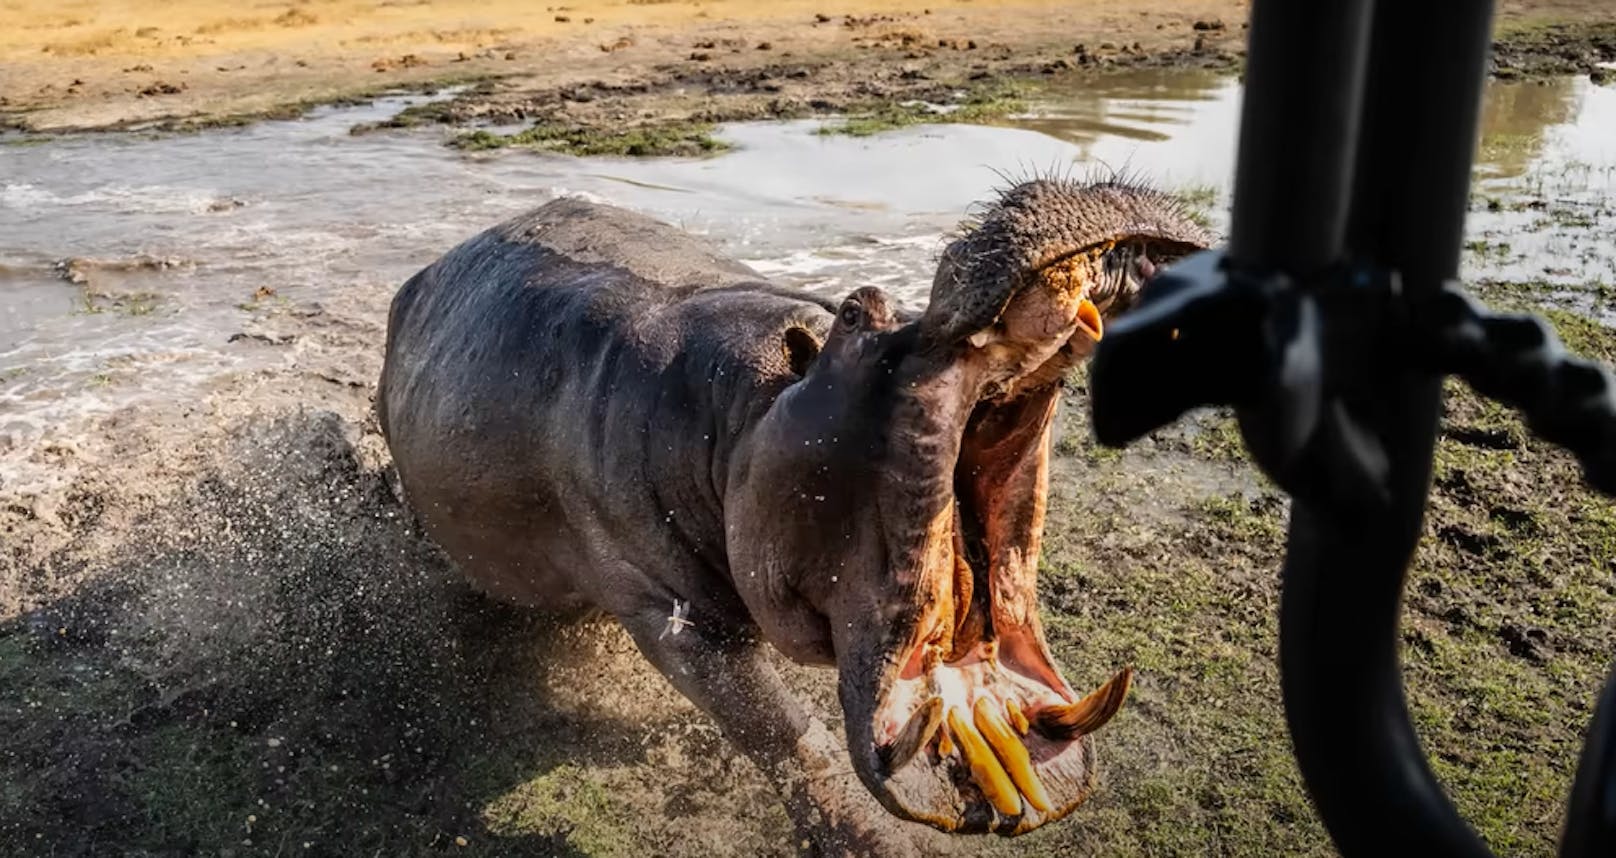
column 1147, row 269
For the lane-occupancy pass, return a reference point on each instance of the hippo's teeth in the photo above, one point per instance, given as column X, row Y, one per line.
column 1088, row 318
column 1018, row 719
column 915, row 735
column 1011, row 753
column 1067, row 721
column 985, row 769
column 979, row 339
column 945, row 743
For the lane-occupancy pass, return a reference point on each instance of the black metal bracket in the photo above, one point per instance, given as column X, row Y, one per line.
column 1299, row 359
column 1328, row 324
column 1293, row 358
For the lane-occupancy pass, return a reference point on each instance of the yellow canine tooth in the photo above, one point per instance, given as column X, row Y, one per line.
column 945, row 745
column 916, row 734
column 1007, row 745
column 1067, row 721
column 985, row 768
column 1018, row 718
column 1089, row 319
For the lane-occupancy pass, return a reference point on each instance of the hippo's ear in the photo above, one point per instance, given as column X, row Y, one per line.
column 801, row 347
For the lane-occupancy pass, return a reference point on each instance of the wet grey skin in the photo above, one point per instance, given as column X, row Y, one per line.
column 591, row 410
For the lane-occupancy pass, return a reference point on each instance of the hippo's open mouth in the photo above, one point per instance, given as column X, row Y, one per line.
column 973, row 728
column 978, row 731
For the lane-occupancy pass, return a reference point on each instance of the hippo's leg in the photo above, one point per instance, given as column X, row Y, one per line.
column 726, row 673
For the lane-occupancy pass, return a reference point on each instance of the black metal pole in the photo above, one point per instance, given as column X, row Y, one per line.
column 1298, row 131
column 1591, row 816
column 1328, row 324
column 1345, row 569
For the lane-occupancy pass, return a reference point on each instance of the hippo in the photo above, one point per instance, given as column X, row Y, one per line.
column 593, row 411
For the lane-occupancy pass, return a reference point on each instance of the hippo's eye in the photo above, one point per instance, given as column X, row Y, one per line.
column 851, row 313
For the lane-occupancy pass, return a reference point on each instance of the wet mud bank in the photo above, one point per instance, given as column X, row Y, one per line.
column 605, row 68
column 902, row 77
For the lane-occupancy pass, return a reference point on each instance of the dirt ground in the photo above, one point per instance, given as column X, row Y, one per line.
column 231, row 640
column 86, row 64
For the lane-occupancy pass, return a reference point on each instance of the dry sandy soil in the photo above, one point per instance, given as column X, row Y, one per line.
column 87, row 64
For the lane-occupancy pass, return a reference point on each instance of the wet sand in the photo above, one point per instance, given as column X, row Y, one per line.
column 82, row 64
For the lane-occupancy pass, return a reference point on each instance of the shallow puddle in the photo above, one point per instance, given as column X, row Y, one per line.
column 189, row 247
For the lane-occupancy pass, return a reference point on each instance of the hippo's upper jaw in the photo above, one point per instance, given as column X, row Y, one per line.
column 920, row 452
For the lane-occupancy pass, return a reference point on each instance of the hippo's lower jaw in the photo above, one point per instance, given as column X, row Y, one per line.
column 986, row 748
column 974, row 729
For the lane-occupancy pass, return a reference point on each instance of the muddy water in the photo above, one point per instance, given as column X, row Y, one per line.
column 138, row 267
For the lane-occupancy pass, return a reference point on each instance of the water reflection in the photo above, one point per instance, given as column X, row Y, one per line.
column 1176, row 126
column 1515, row 118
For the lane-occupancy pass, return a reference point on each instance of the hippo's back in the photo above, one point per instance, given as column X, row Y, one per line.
column 554, row 380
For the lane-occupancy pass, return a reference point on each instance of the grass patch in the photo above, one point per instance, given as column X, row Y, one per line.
column 1198, row 202
column 1489, row 251
column 1217, row 438
column 416, row 115
column 133, row 304
column 565, row 801
column 1583, row 336
column 981, row 105
column 1155, row 562
column 1508, row 628
column 678, row 138
column 299, row 108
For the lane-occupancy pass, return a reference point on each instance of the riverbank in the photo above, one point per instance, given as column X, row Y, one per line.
column 613, row 66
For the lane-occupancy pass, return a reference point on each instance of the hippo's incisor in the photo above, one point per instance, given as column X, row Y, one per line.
column 590, row 408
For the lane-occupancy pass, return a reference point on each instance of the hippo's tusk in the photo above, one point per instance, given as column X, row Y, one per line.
column 945, row 743
column 1007, row 745
column 1018, row 718
column 1067, row 721
column 915, row 735
column 985, row 768
column 1088, row 318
